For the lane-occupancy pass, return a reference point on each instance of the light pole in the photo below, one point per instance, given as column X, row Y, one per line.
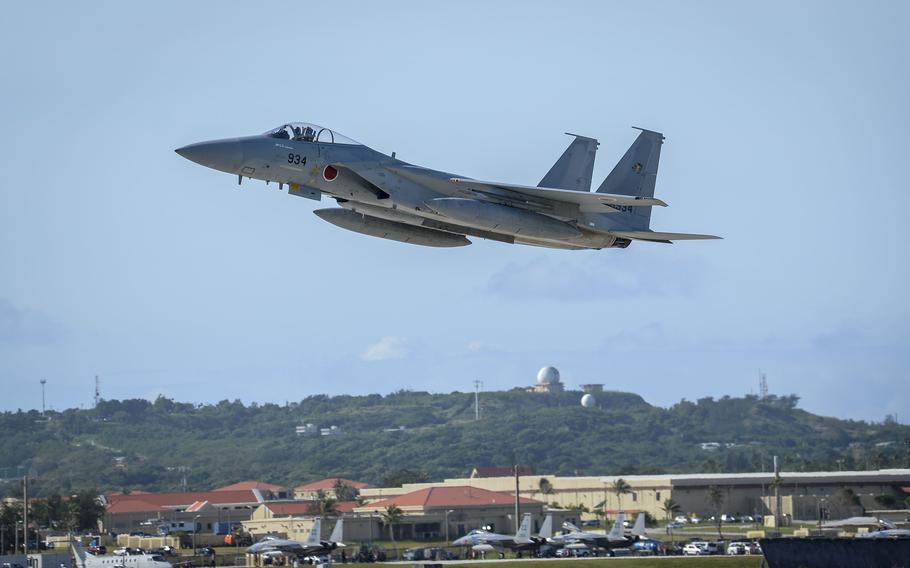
column 195, row 519
column 447, row 526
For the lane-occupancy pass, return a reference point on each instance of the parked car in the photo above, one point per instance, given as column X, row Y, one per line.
column 573, row 552
column 690, row 549
column 165, row 551
column 675, row 525
column 99, row 550
column 737, row 547
column 681, row 519
column 646, row 546
column 713, row 547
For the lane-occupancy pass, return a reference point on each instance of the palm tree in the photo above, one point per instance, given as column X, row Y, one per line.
column 716, row 498
column 390, row 517
column 670, row 508
column 323, row 505
column 344, row 492
column 621, row 487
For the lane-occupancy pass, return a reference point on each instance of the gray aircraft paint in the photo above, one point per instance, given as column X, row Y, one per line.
column 573, row 170
column 407, row 203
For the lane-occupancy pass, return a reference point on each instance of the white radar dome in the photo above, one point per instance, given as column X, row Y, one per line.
column 547, row 375
column 588, row 401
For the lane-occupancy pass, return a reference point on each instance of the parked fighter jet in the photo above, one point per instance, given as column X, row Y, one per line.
column 385, row 197
column 616, row 538
column 481, row 540
column 313, row 545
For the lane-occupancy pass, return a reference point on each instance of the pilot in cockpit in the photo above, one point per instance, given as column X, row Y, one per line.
column 282, row 133
column 306, row 134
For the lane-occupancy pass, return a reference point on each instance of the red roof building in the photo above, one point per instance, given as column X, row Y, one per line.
column 329, row 484
column 269, row 490
column 141, row 511
column 449, row 497
column 437, row 512
column 277, row 509
column 310, row 490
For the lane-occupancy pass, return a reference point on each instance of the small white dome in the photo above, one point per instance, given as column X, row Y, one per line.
column 547, row 375
column 588, row 401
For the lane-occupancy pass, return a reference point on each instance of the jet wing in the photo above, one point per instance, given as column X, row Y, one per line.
column 661, row 237
column 586, row 201
column 279, row 544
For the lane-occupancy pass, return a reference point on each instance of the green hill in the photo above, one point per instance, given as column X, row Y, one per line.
column 138, row 444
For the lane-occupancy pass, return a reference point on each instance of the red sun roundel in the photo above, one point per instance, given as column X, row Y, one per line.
column 329, row 173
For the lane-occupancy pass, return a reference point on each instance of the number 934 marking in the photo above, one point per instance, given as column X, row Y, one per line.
column 296, row 159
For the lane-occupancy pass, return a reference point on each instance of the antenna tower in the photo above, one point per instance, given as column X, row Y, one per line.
column 762, row 386
column 97, row 390
column 43, row 382
column 478, row 384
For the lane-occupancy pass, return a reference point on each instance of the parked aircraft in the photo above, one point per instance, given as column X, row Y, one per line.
column 616, row 538
column 313, row 545
column 86, row 560
column 481, row 540
column 886, row 533
column 384, row 197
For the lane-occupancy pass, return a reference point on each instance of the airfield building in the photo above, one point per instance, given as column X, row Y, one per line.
column 802, row 493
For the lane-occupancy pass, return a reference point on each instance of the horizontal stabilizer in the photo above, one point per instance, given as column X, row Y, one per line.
column 598, row 202
column 661, row 237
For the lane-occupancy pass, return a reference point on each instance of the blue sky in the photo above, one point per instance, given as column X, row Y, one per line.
column 786, row 123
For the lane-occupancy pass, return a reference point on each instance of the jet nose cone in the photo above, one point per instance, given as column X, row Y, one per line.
column 223, row 155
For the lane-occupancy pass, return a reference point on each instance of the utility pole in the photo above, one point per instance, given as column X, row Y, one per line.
column 776, row 495
column 97, row 391
column 25, row 510
column 517, row 497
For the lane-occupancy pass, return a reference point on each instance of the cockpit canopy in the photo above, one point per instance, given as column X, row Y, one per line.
column 307, row 132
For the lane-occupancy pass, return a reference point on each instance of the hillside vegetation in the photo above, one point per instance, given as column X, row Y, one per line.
column 138, row 444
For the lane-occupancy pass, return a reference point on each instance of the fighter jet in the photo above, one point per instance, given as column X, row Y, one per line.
column 616, row 538
column 481, row 540
column 310, row 547
column 384, row 197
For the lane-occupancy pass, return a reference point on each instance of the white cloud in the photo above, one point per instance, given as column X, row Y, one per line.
column 389, row 347
column 475, row 345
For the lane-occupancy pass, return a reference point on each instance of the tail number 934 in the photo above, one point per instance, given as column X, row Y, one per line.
column 296, row 159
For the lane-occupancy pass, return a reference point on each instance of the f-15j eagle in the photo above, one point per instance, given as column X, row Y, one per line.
column 481, row 540
column 312, row 546
column 384, row 197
